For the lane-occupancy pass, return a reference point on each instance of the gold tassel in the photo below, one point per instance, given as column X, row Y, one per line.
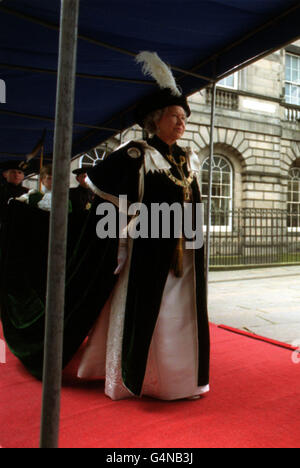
column 177, row 262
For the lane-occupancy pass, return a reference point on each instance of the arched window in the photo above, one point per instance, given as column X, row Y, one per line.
column 222, row 181
column 92, row 157
column 293, row 199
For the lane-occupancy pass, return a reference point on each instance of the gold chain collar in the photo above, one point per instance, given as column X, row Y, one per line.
column 185, row 182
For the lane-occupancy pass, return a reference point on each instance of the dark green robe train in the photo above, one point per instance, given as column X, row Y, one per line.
column 23, row 278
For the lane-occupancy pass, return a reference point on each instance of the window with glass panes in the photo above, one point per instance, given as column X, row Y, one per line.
column 293, row 202
column 92, row 157
column 292, row 79
column 221, row 202
column 230, row 81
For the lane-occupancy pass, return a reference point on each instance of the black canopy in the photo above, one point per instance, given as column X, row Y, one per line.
column 202, row 40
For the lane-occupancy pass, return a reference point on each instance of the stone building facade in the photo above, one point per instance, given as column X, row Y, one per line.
column 256, row 131
column 256, row 167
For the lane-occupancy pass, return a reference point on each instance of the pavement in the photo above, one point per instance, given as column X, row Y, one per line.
column 263, row 301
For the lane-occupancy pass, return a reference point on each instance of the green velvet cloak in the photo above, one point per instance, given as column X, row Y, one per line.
column 151, row 259
column 23, row 275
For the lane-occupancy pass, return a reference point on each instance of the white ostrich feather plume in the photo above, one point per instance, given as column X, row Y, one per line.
column 155, row 67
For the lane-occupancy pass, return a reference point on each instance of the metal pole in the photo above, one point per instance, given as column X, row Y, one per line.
column 55, row 302
column 211, row 155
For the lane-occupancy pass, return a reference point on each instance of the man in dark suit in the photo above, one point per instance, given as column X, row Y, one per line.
column 13, row 173
column 81, row 197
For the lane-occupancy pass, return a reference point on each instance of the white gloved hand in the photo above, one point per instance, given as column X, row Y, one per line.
column 122, row 256
column 25, row 197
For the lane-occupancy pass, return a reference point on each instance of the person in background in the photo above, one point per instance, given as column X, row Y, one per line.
column 13, row 174
column 81, row 197
column 42, row 200
column 39, row 199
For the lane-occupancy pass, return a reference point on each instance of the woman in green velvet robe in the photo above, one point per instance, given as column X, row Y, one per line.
column 152, row 337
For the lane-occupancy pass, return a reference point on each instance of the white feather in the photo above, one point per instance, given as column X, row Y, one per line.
column 155, row 67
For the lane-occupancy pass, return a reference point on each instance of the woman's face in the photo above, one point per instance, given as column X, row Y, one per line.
column 171, row 124
column 47, row 182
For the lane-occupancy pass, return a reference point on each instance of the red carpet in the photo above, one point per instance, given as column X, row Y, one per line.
column 254, row 402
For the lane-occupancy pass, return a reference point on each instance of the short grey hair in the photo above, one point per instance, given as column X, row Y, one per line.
column 150, row 122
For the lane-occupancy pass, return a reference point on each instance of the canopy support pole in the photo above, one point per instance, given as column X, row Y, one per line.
column 52, row 373
column 211, row 156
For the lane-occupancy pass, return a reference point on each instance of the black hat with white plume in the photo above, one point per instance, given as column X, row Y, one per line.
column 169, row 93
